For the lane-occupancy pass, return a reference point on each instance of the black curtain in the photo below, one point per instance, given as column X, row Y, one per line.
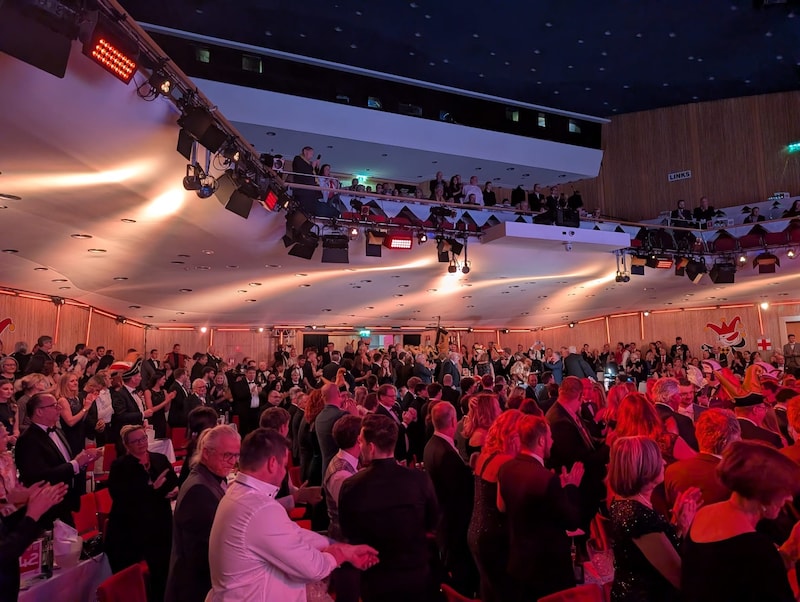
column 315, row 340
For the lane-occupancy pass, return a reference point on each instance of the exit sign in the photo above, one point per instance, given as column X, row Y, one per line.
column 679, row 175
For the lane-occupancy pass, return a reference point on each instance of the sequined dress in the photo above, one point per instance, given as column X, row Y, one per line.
column 635, row 579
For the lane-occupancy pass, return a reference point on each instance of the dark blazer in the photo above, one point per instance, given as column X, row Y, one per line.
column 570, row 447
column 540, row 512
column 448, row 367
column 455, row 490
column 126, row 410
column 685, row 424
column 323, row 426
column 575, row 365
column 189, row 573
column 177, row 409
column 38, row 459
column 391, row 508
column 699, row 471
column 401, row 447
column 192, row 402
column 17, row 532
column 36, row 363
column 751, row 432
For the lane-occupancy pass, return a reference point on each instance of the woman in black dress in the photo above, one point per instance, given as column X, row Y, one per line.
column 725, row 558
column 487, row 536
column 8, row 411
column 647, row 566
column 73, row 411
column 158, row 400
column 308, row 442
column 139, row 527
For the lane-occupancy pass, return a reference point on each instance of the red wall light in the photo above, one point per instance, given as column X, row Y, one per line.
column 398, row 240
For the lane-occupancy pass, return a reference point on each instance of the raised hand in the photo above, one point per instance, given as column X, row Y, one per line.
column 574, row 476
column 686, row 505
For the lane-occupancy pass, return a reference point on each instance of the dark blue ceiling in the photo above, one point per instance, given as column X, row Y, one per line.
column 602, row 57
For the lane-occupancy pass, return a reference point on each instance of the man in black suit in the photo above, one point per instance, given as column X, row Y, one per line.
column 715, row 430
column 451, row 366
column 455, row 488
column 44, row 345
column 667, row 399
column 150, row 366
column 247, row 401
column 197, row 397
column 575, row 365
column 128, row 401
column 541, row 508
column 387, row 406
column 573, row 442
column 43, row 454
column 679, row 349
column 392, row 509
column 750, row 411
column 330, row 368
column 177, row 409
column 189, row 574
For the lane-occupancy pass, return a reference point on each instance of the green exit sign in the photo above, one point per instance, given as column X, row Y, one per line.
column 794, row 147
column 364, row 334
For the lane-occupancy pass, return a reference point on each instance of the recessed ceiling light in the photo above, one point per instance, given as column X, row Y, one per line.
column 398, row 295
column 184, row 255
column 120, row 278
column 10, row 250
column 127, row 220
column 367, row 281
column 39, row 269
column 64, row 288
column 202, row 267
column 177, row 262
column 59, row 280
column 3, row 206
column 255, row 284
column 207, row 252
column 97, row 251
column 301, row 275
column 327, row 309
column 249, row 300
column 173, row 320
column 369, row 307
column 270, row 133
column 304, row 286
column 80, row 236
column 147, row 316
column 179, row 313
column 431, row 290
column 241, row 290
column 184, row 290
column 134, row 307
column 270, row 265
column 10, row 197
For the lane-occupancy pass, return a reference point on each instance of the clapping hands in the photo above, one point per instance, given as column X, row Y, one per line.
column 574, row 476
column 685, row 508
column 360, row 556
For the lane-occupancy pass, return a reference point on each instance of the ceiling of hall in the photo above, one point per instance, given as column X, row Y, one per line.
column 598, row 58
column 87, row 156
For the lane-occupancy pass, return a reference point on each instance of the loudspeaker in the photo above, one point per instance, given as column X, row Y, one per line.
column 229, row 196
column 722, row 273
column 37, row 37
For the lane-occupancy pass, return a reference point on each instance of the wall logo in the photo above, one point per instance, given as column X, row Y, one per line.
column 729, row 334
column 6, row 324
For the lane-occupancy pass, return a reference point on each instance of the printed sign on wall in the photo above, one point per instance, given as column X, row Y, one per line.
column 728, row 334
column 679, row 175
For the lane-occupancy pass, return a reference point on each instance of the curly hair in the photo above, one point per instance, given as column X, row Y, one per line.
column 503, row 433
column 483, row 411
column 314, row 405
column 636, row 417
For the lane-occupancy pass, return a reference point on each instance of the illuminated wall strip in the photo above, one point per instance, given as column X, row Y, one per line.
column 89, row 325
column 633, row 313
column 641, row 325
column 760, row 320
column 58, row 323
column 608, row 330
column 665, row 311
column 590, row 320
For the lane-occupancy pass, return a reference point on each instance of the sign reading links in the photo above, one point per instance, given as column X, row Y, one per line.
column 679, row 175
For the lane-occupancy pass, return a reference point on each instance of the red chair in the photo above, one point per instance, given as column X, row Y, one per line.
column 126, row 586
column 86, row 517
column 452, row 595
column 109, row 455
column 600, row 531
column 294, row 476
column 102, row 499
column 581, row 593
column 179, row 441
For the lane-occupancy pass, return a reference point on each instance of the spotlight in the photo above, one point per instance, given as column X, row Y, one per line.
column 572, row 324
column 661, row 262
column 335, row 248
column 766, row 263
column 453, row 267
column 374, row 242
column 353, row 233
column 276, row 198
column 646, row 313
column 261, row 329
column 764, row 305
column 208, row 187
column 305, row 247
column 298, row 226
column 504, row 330
column 203, row 329
column 695, row 270
column 422, row 238
column 161, row 83
column 466, row 268
column 723, row 273
column 400, row 239
column 449, row 245
column 121, row 320
column 199, row 124
column 194, row 177
column 107, row 46
column 791, row 253
column 443, row 252
column 742, row 258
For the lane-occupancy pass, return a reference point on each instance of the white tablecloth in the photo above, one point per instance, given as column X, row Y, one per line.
column 163, row 446
column 78, row 584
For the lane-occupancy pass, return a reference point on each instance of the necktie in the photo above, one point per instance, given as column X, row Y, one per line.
column 51, row 429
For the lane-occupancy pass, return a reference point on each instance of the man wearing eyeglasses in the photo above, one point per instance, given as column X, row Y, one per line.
column 189, row 573
column 43, row 454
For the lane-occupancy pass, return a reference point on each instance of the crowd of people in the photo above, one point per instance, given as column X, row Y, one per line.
column 493, row 470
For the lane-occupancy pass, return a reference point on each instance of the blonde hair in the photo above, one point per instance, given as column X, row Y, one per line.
column 503, row 435
column 61, row 386
column 635, row 463
column 126, row 430
column 483, row 411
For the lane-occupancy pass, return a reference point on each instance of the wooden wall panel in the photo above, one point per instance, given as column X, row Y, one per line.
column 734, row 148
column 117, row 337
column 692, row 326
column 258, row 345
column 31, row 319
column 72, row 326
column 163, row 340
column 625, row 329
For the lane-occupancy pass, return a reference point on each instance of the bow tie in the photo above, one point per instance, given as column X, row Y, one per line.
column 51, row 429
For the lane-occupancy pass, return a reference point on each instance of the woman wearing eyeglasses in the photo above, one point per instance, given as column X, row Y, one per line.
column 142, row 485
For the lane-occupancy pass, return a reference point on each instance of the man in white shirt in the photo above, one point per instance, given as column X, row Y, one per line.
column 256, row 553
column 473, row 188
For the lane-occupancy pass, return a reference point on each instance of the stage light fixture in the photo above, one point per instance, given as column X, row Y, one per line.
column 106, row 44
column 304, row 248
column 208, row 186
column 572, row 324
column 742, row 258
column 453, row 267
column 723, row 272
column 335, row 248
column 276, row 198
column 354, row 232
column 766, row 262
column 199, row 124
column 399, row 239
column 695, row 270
column 661, row 262
column 194, row 177
column 422, row 238
column 374, row 242
column 466, row 268
column 791, row 254
column 161, row 83
column 646, row 313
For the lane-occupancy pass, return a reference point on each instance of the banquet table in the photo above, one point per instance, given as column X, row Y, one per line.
column 162, row 446
column 76, row 584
